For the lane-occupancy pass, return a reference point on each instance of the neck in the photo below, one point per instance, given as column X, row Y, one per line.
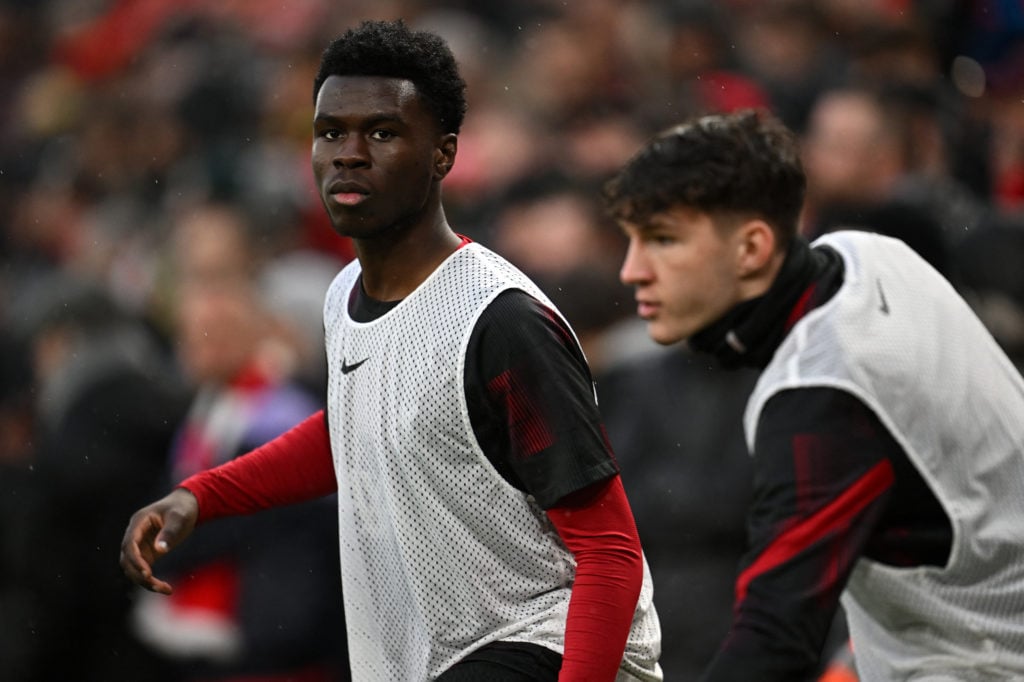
column 395, row 264
column 749, row 333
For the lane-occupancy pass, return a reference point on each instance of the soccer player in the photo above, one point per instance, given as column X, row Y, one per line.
column 484, row 530
column 886, row 427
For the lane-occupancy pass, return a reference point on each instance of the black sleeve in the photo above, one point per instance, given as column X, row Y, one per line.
column 823, row 478
column 531, row 400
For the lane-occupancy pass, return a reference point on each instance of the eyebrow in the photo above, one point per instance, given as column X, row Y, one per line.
column 638, row 228
column 650, row 224
column 371, row 120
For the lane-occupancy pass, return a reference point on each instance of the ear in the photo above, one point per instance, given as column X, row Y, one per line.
column 444, row 155
column 755, row 248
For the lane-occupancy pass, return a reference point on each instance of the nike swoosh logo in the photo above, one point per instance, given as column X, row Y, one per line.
column 346, row 368
column 884, row 305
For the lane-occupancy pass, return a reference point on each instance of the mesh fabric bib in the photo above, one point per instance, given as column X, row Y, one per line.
column 899, row 338
column 440, row 554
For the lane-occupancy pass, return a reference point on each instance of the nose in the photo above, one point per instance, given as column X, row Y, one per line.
column 635, row 270
column 351, row 153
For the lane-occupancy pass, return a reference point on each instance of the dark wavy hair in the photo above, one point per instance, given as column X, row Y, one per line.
column 391, row 49
column 742, row 164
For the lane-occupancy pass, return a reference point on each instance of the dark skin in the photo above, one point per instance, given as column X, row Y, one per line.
column 377, row 140
column 378, row 157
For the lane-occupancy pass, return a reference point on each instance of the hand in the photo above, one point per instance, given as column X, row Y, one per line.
column 152, row 532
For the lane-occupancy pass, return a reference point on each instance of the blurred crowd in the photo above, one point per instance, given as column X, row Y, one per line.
column 164, row 253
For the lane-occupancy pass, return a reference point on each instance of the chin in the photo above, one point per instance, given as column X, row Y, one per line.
column 663, row 337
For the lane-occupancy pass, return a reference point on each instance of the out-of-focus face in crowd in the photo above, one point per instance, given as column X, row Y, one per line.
column 220, row 321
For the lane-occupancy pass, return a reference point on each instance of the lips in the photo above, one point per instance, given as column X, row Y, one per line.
column 646, row 309
column 347, row 192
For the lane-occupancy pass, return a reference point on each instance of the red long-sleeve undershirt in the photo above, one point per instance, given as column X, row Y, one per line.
column 294, row 467
column 602, row 536
column 596, row 525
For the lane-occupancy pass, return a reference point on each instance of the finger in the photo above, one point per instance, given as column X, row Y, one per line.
column 145, row 578
column 135, row 567
column 140, row 571
column 136, row 553
column 154, row 584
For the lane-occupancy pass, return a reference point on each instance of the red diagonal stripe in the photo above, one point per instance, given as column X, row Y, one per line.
column 528, row 431
column 835, row 515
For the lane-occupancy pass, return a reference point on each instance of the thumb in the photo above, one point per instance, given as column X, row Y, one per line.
column 166, row 538
column 177, row 522
column 162, row 544
column 172, row 532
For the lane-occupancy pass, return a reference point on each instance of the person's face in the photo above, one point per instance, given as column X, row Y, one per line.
column 218, row 330
column 683, row 271
column 847, row 153
column 377, row 154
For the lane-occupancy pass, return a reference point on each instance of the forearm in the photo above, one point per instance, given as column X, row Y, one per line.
column 294, row 467
column 609, row 576
column 761, row 647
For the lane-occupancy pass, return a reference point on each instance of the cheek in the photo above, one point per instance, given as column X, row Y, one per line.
column 410, row 188
column 317, row 158
column 701, row 285
column 422, row 169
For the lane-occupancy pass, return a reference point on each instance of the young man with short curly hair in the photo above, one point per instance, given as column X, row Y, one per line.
column 485, row 534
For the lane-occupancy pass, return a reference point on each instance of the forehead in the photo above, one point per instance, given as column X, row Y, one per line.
column 676, row 217
column 376, row 94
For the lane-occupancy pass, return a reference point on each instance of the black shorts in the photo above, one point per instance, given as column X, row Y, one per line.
column 506, row 662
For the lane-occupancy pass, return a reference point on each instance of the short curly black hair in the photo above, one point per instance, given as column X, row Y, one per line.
column 743, row 163
column 391, row 49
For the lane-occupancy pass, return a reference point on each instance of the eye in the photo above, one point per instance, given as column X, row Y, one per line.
column 661, row 239
column 331, row 134
column 382, row 135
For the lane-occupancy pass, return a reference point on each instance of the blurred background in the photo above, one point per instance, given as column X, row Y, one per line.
column 164, row 253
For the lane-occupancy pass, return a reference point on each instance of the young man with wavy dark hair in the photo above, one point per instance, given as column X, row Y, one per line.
column 886, row 427
column 484, row 530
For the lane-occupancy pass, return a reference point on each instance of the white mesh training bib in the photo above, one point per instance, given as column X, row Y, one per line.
column 439, row 554
column 899, row 338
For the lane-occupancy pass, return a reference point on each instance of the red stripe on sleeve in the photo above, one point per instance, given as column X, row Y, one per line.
column 603, row 538
column 528, row 431
column 832, row 516
column 294, row 467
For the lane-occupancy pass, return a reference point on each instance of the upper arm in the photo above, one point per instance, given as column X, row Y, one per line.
column 823, row 477
column 531, row 400
column 813, row 446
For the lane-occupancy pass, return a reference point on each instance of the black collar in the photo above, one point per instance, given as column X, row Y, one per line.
column 363, row 308
column 750, row 332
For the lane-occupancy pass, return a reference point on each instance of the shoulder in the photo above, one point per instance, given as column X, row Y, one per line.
column 337, row 292
column 804, row 408
column 516, row 313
